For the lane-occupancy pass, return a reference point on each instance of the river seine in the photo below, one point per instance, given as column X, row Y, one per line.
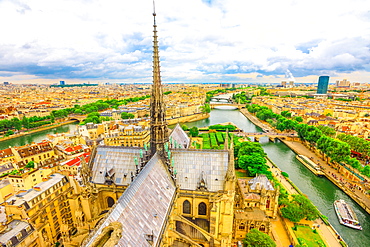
column 36, row 137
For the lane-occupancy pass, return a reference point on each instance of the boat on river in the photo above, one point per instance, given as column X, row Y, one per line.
column 346, row 215
column 314, row 168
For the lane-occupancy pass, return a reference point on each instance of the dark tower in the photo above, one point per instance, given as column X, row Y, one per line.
column 158, row 125
column 322, row 86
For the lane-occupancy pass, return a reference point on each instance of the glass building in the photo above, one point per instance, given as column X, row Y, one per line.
column 322, row 87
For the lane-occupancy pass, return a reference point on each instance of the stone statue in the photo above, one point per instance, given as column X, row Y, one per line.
column 109, row 236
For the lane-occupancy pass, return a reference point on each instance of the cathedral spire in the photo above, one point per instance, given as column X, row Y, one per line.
column 158, row 125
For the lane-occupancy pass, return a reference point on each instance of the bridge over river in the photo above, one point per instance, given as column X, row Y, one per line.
column 77, row 117
column 271, row 135
column 217, row 105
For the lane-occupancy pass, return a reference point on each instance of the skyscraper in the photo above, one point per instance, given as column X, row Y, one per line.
column 322, row 87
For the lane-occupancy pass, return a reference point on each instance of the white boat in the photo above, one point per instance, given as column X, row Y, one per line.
column 346, row 215
column 310, row 165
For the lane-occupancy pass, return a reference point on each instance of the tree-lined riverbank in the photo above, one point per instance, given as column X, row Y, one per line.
column 320, row 191
column 37, row 135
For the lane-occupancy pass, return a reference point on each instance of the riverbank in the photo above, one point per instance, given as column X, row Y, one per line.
column 255, row 120
column 186, row 119
column 174, row 121
column 333, row 175
column 327, row 232
column 37, row 130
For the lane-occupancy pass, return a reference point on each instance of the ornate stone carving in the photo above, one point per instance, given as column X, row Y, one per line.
column 109, row 236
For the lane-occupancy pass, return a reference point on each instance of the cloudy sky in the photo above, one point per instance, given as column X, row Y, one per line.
column 46, row 41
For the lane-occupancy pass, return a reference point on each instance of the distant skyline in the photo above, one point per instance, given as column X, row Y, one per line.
column 80, row 41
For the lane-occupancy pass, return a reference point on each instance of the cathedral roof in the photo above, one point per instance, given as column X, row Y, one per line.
column 143, row 207
column 259, row 182
column 252, row 214
column 179, row 136
column 117, row 160
column 192, row 166
column 251, row 196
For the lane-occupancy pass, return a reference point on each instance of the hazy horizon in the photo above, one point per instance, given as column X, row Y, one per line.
column 199, row 40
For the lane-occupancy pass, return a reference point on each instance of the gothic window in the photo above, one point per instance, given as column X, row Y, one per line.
column 262, row 228
column 110, row 201
column 251, row 227
column 268, row 202
column 241, row 226
column 202, row 209
column 186, row 207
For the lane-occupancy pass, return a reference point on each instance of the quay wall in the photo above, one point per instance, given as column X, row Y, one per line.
column 37, row 130
column 254, row 119
column 186, row 119
column 349, row 193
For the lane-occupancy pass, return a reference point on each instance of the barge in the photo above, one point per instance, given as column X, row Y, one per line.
column 314, row 168
column 346, row 215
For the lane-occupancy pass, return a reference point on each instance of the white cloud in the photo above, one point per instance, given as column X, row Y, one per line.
column 222, row 39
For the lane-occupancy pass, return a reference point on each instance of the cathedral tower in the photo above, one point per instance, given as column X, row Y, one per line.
column 158, row 125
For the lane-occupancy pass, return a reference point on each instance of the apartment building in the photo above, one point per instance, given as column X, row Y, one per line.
column 19, row 234
column 46, row 207
column 28, row 179
column 40, row 153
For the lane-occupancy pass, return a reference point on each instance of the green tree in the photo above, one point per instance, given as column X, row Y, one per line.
column 16, row 123
column 194, row 131
column 184, row 127
column 256, row 238
column 30, row 164
column 299, row 119
column 366, row 170
column 299, row 208
column 292, row 212
column 308, row 133
column 326, row 130
column 253, row 164
column 337, row 150
column 126, row 115
column 206, row 108
column 26, row 122
column 286, row 114
column 9, row 133
column 313, row 135
column 286, row 124
column 246, row 148
column 52, row 118
column 285, row 174
column 78, row 111
column 354, row 163
column 265, row 114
